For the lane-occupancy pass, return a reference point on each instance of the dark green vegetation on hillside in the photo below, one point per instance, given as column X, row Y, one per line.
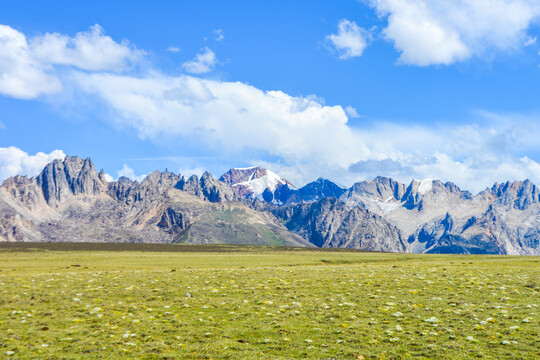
column 229, row 302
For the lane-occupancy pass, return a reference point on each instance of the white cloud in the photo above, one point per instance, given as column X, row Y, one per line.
column 129, row 173
column 14, row 161
column 173, row 49
column 219, row 34
column 28, row 67
column 187, row 172
column 202, row 63
column 443, row 32
column 88, row 50
column 350, row 41
column 21, row 76
column 351, row 112
column 304, row 137
column 228, row 115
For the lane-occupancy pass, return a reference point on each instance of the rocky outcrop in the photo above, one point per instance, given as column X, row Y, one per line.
column 207, row 188
column 60, row 180
column 418, row 193
column 26, row 191
column 380, row 188
column 123, row 190
column 518, row 194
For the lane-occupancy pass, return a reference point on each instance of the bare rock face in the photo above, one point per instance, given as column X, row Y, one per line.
column 330, row 223
column 174, row 219
column 155, row 185
column 26, row 191
column 60, row 180
column 215, row 190
column 380, row 188
column 419, row 193
column 190, row 185
column 518, row 194
column 123, row 190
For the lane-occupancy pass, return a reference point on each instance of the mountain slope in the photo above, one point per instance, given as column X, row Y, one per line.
column 70, row 201
column 330, row 223
column 439, row 217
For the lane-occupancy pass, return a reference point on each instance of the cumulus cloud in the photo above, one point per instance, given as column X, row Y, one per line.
column 300, row 137
column 350, row 40
column 22, row 76
column 445, row 32
column 88, row 50
column 14, row 161
column 202, row 63
column 129, row 173
column 232, row 115
column 28, row 67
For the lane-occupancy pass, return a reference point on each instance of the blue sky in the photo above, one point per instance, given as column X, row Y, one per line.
column 342, row 89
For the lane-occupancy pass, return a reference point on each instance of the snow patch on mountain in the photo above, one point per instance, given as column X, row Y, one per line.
column 425, row 186
column 269, row 181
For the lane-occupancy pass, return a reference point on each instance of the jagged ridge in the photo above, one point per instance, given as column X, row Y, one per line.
column 70, row 201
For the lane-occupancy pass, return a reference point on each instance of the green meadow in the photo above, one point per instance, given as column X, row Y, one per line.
column 231, row 302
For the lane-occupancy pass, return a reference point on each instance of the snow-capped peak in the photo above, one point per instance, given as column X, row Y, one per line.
column 270, row 181
column 425, row 185
column 254, row 181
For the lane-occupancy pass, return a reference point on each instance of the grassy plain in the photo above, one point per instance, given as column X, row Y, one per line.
column 225, row 302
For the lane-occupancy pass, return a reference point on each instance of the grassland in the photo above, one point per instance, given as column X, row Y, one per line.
column 226, row 302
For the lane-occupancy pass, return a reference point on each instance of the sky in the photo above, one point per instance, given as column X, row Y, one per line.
column 343, row 89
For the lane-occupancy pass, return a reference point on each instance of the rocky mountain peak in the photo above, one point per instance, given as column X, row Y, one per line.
column 161, row 179
column 318, row 189
column 374, row 215
column 380, row 188
column 207, row 188
column 256, row 183
column 237, row 175
column 517, row 194
column 61, row 179
column 330, row 223
column 424, row 191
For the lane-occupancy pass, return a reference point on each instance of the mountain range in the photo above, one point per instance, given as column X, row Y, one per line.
column 71, row 201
